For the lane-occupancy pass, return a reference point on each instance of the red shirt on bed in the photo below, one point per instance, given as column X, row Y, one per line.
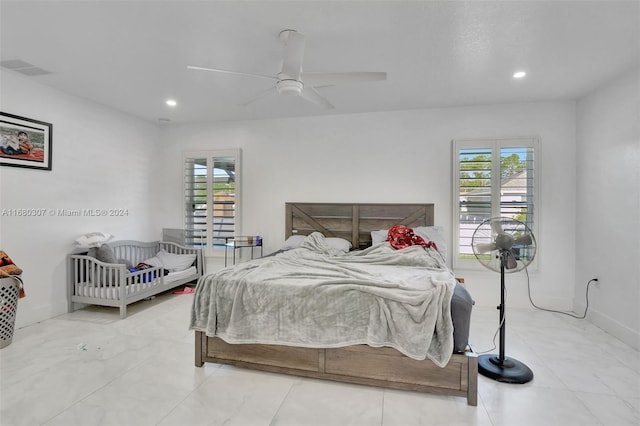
column 400, row 236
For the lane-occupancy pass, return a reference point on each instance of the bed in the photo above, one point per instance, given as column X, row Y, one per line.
column 438, row 363
column 119, row 283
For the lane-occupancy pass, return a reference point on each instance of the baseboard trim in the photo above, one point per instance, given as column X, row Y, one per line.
column 620, row 331
column 27, row 315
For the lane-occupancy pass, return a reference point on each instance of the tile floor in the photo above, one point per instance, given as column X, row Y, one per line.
column 91, row 368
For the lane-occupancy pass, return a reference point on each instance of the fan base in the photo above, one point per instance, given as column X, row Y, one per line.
column 508, row 371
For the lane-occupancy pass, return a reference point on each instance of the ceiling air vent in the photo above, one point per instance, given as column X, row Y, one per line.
column 23, row 67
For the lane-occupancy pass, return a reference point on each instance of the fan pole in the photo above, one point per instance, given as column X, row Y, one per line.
column 500, row 368
column 503, row 329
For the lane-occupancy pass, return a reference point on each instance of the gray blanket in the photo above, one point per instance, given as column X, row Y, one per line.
column 314, row 296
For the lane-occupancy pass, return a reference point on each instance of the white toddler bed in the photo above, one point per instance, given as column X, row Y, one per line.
column 92, row 281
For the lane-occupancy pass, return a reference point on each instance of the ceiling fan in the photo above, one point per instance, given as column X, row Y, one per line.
column 291, row 80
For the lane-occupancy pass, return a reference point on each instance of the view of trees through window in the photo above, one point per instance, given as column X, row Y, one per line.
column 493, row 180
column 475, row 177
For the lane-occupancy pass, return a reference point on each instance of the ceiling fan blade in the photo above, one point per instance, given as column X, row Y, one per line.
column 259, row 95
column 485, row 247
column 311, row 94
column 191, row 67
column 524, row 240
column 294, row 44
column 332, row 78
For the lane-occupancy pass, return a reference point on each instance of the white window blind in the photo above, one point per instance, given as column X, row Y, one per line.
column 492, row 178
column 211, row 198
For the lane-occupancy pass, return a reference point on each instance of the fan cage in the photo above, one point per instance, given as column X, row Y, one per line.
column 486, row 233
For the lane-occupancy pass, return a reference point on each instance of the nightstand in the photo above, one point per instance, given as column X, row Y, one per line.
column 240, row 242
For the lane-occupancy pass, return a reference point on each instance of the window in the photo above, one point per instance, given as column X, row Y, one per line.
column 492, row 178
column 212, row 198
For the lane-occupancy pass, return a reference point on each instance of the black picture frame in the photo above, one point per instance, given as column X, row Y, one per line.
column 25, row 142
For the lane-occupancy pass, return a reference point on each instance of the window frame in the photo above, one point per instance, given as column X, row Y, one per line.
column 210, row 156
column 495, row 145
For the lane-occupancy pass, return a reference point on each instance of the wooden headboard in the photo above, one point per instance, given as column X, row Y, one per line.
column 353, row 222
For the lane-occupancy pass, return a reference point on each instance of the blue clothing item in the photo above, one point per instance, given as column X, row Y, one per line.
column 10, row 150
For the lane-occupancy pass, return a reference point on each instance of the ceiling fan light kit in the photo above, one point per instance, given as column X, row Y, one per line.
column 291, row 79
column 284, row 35
column 289, row 87
column 503, row 245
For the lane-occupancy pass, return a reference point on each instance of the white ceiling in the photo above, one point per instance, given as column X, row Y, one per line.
column 132, row 55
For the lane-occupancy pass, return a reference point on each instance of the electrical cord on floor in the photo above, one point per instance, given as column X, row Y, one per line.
column 560, row 312
column 497, row 330
column 538, row 307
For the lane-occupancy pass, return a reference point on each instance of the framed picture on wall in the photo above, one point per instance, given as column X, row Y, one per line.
column 25, row 142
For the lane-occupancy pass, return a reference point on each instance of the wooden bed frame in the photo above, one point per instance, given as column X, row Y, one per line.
column 360, row 364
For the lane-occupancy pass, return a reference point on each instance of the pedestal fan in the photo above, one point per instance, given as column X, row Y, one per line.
column 503, row 245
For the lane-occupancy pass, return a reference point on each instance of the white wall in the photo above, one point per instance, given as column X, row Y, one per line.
column 608, row 206
column 106, row 159
column 400, row 156
column 101, row 160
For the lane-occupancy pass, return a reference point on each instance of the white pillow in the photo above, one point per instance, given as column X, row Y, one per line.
column 153, row 261
column 93, row 239
column 296, row 241
column 175, row 262
column 293, row 242
column 379, row 236
column 435, row 234
column 338, row 244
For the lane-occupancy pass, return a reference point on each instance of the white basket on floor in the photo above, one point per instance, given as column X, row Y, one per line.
column 9, row 294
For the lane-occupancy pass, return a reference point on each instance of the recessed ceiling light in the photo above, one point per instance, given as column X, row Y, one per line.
column 519, row 74
column 171, row 102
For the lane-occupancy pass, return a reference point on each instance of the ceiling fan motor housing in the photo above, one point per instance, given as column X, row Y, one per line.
column 289, row 87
